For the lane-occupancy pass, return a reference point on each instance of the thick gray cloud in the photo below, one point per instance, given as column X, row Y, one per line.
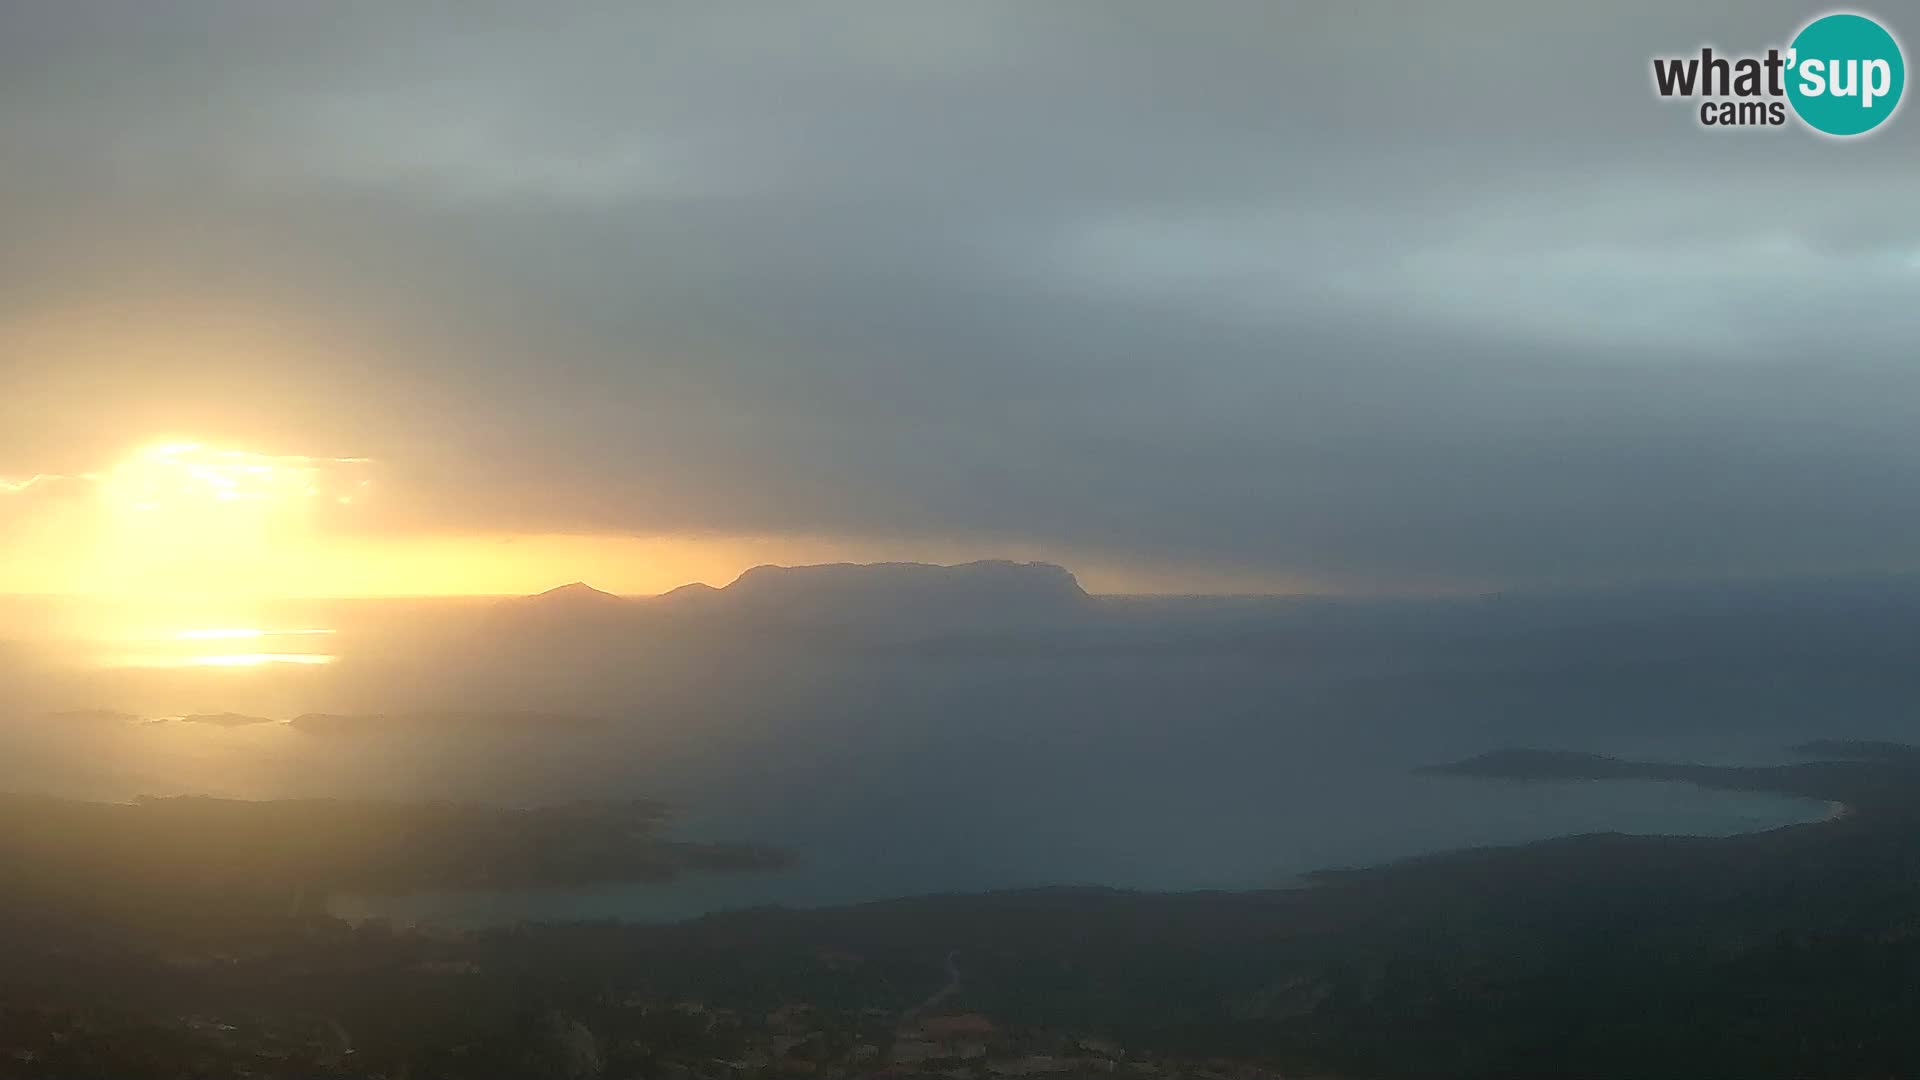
column 1352, row 292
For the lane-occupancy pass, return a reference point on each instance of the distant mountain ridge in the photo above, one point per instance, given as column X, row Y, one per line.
column 989, row 590
column 831, row 584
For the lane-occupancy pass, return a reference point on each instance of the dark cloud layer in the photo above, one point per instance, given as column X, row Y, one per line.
column 1340, row 291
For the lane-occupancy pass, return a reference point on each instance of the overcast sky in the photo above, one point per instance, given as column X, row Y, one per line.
column 1359, row 295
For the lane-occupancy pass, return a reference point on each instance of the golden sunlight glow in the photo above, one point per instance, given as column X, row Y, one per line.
column 220, row 633
column 212, row 660
column 239, row 633
column 255, row 659
column 130, row 635
column 185, row 518
column 195, row 535
column 188, row 476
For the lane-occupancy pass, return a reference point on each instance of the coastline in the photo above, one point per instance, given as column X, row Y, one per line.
column 702, row 895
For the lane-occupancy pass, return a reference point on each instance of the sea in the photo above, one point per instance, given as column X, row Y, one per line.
column 899, row 773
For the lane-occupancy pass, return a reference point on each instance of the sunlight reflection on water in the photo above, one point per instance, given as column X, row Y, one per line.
column 187, row 648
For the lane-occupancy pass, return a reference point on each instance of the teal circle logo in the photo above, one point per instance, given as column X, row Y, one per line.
column 1845, row 74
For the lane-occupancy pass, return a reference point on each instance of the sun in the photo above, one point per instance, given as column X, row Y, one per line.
column 186, row 517
column 198, row 478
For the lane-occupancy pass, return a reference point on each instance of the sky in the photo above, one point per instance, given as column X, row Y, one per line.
column 1208, row 296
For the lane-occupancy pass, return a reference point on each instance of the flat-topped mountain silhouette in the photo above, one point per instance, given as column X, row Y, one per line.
column 988, row 591
column 911, row 598
column 872, row 587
